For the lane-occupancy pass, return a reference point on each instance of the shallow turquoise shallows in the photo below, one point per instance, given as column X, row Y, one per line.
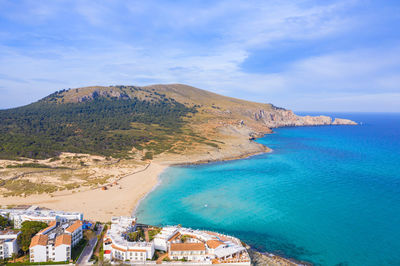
column 328, row 195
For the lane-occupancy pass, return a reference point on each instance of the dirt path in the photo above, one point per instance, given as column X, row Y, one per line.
column 160, row 259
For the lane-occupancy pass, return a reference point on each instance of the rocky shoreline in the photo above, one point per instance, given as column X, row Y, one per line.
column 270, row 259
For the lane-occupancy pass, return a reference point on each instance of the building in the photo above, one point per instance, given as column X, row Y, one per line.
column 201, row 247
column 8, row 243
column 55, row 242
column 167, row 234
column 34, row 213
column 117, row 246
column 188, row 251
column 76, row 232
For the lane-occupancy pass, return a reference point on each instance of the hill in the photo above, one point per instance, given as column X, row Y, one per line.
column 100, row 149
column 124, row 121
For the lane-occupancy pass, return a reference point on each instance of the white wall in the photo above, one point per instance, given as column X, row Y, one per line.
column 61, row 253
column 160, row 244
column 39, row 253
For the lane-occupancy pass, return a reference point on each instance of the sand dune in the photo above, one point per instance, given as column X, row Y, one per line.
column 100, row 204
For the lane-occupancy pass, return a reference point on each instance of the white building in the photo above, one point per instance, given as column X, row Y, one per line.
column 188, row 251
column 161, row 239
column 117, row 247
column 201, row 246
column 55, row 242
column 8, row 243
column 76, row 232
column 34, row 213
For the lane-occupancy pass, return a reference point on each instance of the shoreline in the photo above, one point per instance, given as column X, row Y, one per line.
column 199, row 162
column 97, row 204
column 93, row 203
column 126, row 194
column 227, row 159
column 148, row 192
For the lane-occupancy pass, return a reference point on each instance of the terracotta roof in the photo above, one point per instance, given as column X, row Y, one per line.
column 214, row 243
column 137, row 250
column 187, row 246
column 39, row 240
column 63, row 239
column 51, row 224
column 118, row 248
column 8, row 232
column 174, row 236
column 124, row 250
column 74, row 226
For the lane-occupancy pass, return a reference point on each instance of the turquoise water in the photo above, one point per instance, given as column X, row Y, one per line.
column 328, row 195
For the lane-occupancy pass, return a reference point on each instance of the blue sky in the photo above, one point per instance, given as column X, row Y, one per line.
column 302, row 55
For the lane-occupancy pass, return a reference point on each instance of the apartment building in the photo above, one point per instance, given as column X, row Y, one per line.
column 8, row 243
column 55, row 242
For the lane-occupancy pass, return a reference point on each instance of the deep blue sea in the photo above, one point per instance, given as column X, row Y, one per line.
column 329, row 195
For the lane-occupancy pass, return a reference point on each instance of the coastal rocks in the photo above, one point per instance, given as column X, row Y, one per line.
column 269, row 259
column 341, row 121
column 285, row 118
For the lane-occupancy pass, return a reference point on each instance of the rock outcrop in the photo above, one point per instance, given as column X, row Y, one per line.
column 286, row 118
column 341, row 121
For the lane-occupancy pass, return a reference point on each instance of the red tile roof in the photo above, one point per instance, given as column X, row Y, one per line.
column 187, row 246
column 40, row 240
column 214, row 243
column 63, row 239
column 174, row 236
column 118, row 248
column 77, row 224
column 51, row 224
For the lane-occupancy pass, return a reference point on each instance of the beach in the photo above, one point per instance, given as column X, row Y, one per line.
column 98, row 204
column 132, row 182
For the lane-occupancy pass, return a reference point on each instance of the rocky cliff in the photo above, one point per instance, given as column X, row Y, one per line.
column 285, row 118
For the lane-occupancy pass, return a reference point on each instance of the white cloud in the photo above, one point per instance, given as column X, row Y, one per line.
column 205, row 46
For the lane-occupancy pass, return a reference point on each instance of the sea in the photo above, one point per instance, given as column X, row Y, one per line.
column 328, row 195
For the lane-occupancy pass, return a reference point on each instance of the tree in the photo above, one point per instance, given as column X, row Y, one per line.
column 4, row 222
column 14, row 256
column 28, row 230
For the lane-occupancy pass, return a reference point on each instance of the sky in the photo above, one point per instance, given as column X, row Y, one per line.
column 331, row 56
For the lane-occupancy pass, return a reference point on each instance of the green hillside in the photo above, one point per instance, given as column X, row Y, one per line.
column 101, row 124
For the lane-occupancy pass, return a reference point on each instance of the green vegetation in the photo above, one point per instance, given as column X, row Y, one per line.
column 185, row 238
column 34, row 165
column 28, row 165
column 28, row 230
column 4, row 222
column 148, row 156
column 78, row 248
column 106, row 126
column 153, row 233
column 98, row 249
column 136, row 236
column 25, row 187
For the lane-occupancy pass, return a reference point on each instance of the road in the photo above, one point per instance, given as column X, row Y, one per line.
column 88, row 250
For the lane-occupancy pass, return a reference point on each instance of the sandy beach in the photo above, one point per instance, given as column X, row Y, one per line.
column 98, row 204
column 134, row 182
